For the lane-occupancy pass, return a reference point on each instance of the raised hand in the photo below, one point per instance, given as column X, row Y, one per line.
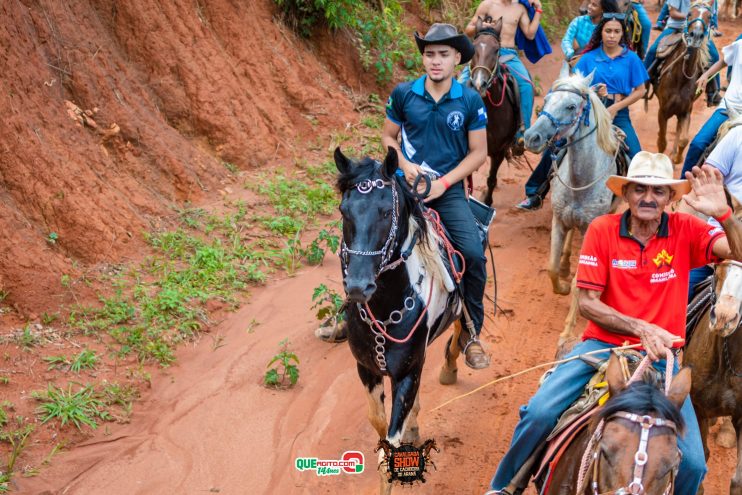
column 707, row 195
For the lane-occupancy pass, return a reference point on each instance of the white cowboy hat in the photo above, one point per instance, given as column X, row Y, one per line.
column 650, row 169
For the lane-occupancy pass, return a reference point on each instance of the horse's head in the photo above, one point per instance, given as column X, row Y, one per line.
column 370, row 208
column 697, row 25
column 566, row 105
column 623, row 5
column 485, row 62
column 638, row 450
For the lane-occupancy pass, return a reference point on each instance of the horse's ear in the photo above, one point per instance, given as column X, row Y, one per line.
column 680, row 387
column 564, row 71
column 341, row 161
column 498, row 25
column 391, row 162
column 589, row 78
column 614, row 376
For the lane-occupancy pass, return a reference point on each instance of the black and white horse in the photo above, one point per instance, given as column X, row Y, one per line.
column 400, row 294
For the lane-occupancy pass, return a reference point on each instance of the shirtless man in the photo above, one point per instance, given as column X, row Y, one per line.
column 514, row 16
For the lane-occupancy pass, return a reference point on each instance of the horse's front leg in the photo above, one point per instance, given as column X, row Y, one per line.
column 662, row 135
column 449, row 370
column 496, row 159
column 405, row 406
column 557, row 244
column 564, row 263
column 681, row 137
column 374, row 385
column 727, row 437
column 571, row 320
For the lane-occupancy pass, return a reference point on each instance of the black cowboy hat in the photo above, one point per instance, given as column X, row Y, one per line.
column 446, row 34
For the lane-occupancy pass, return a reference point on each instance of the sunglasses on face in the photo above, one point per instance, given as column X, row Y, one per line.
column 614, row 15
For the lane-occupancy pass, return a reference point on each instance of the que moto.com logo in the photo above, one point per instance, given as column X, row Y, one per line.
column 351, row 462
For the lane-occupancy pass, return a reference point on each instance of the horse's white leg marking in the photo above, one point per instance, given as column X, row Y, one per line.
column 376, row 413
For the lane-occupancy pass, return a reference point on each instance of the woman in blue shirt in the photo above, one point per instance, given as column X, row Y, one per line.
column 619, row 77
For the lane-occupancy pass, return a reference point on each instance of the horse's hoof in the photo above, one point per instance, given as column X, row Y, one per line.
column 563, row 288
column 447, row 377
column 727, row 438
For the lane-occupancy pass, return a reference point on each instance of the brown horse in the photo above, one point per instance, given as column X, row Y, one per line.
column 715, row 353
column 676, row 86
column 612, row 448
column 497, row 88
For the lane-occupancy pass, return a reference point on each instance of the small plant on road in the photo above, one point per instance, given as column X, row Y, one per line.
column 283, row 372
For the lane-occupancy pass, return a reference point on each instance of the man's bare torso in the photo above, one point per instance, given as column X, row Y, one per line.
column 511, row 13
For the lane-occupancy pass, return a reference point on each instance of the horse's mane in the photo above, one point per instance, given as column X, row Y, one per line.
column 644, row 398
column 606, row 137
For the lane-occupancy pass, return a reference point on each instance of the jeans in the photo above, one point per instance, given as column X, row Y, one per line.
column 646, row 24
column 537, row 183
column 652, row 53
column 459, row 221
column 663, row 15
column 698, row 275
column 703, row 139
column 558, row 392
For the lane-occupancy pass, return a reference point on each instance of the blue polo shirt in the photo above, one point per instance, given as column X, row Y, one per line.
column 621, row 74
column 436, row 133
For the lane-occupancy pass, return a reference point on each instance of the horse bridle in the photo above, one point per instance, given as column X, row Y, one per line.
column 688, row 23
column 582, row 114
column 492, row 72
column 635, row 487
column 366, row 187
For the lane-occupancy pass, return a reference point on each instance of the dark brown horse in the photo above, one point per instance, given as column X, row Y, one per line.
column 497, row 88
column 715, row 353
column 676, row 86
column 612, row 452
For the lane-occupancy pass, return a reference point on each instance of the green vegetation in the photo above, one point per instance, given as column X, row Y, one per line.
column 87, row 359
column 384, row 40
column 16, row 437
column 329, row 305
column 79, row 408
column 284, row 372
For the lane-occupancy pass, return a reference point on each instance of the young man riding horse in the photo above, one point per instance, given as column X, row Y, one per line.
column 633, row 278
column 443, row 127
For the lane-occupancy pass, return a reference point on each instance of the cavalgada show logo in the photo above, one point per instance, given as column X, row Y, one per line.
column 350, row 462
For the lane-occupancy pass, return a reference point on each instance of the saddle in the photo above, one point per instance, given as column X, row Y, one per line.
column 667, row 44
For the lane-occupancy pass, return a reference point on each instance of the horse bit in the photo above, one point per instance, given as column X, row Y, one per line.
column 396, row 316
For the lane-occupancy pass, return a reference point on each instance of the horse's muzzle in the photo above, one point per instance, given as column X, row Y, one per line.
column 359, row 291
column 534, row 141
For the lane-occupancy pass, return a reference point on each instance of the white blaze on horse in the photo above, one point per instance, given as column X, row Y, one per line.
column 573, row 111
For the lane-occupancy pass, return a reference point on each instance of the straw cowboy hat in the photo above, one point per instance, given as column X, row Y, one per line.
column 446, row 34
column 650, row 169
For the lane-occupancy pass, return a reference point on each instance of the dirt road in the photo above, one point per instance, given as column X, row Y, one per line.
column 208, row 425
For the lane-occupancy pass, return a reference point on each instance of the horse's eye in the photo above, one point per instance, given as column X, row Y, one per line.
column 572, row 108
column 387, row 213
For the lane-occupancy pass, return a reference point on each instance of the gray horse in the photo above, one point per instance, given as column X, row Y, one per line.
column 573, row 111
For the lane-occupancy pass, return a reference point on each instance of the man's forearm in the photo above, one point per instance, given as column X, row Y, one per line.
column 468, row 166
column 606, row 317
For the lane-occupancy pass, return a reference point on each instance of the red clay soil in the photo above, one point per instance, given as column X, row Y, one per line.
column 171, row 90
column 207, row 425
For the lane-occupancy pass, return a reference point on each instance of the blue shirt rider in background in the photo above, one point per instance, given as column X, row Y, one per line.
column 581, row 28
column 619, row 79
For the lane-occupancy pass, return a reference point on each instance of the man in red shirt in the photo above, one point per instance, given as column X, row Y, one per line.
column 633, row 280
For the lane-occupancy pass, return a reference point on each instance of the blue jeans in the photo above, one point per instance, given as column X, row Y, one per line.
column 537, row 183
column 703, row 139
column 519, row 71
column 664, row 14
column 698, row 275
column 460, row 223
column 558, row 392
column 646, row 24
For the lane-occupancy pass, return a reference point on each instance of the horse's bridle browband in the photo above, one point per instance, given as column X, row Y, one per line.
column 636, row 487
column 492, row 72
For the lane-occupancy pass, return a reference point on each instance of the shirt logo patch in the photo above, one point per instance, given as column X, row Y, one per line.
column 715, row 231
column 586, row 259
column 482, row 115
column 455, row 120
column 624, row 264
column 663, row 258
column 662, row 277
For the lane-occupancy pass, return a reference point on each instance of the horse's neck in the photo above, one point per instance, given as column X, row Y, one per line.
column 396, row 283
column 586, row 159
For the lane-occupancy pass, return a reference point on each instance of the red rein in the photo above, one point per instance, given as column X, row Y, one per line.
column 417, row 323
column 502, row 97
